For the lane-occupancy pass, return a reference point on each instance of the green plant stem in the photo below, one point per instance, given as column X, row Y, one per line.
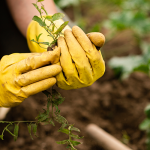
column 16, row 121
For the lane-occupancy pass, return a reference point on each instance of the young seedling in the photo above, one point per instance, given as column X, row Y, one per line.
column 51, row 114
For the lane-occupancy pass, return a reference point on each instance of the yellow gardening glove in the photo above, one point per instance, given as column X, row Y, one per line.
column 81, row 62
column 22, row 75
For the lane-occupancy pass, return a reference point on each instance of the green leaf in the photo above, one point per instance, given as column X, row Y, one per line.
column 147, row 111
column 34, row 127
column 145, row 124
column 62, row 142
column 75, row 143
column 60, row 119
column 48, row 18
column 29, row 129
column 61, row 27
column 58, row 101
column 66, row 131
column 74, row 129
column 42, row 117
column 45, row 43
column 16, row 130
column 39, row 20
column 40, row 0
column 76, row 136
column 57, row 16
column 37, row 37
column 1, row 136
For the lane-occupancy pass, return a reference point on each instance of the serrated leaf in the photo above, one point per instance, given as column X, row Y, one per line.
column 62, row 142
column 42, row 117
column 74, row 129
column 60, row 119
column 76, row 136
column 29, row 129
column 16, row 130
column 145, row 124
column 37, row 37
column 58, row 101
column 39, row 20
column 34, row 127
column 61, row 27
column 57, row 16
column 66, row 131
column 75, row 143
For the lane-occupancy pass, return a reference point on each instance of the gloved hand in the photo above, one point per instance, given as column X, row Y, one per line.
column 81, row 62
column 22, row 75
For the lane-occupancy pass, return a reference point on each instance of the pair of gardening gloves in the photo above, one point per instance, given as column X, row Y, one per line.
column 75, row 63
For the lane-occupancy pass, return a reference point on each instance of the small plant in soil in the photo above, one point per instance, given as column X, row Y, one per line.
column 51, row 114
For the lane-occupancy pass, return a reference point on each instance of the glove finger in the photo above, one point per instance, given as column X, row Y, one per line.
column 67, row 65
column 92, row 53
column 79, row 57
column 36, row 61
column 82, row 39
column 38, row 75
column 38, row 86
column 98, row 39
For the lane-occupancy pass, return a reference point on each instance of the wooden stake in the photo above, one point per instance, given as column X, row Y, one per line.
column 105, row 140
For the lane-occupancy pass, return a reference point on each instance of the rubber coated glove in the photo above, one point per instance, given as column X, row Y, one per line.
column 22, row 75
column 81, row 62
